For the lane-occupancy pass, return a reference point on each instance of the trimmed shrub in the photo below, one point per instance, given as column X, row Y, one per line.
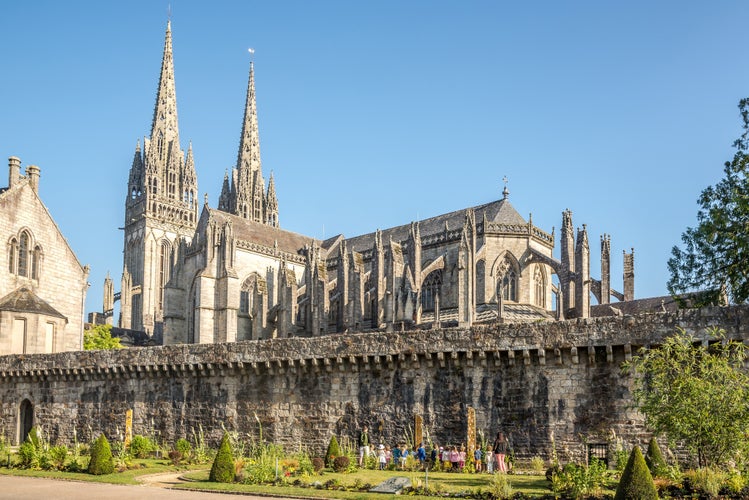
column 334, row 451
column 141, row 446
column 101, row 457
column 318, row 464
column 655, row 461
column 222, row 470
column 341, row 464
column 636, row 482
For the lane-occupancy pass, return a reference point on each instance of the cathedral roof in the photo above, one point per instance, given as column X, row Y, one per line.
column 500, row 211
column 26, row 301
column 263, row 234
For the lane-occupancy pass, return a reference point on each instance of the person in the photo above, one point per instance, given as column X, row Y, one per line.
column 388, row 455
column 477, row 456
column 489, row 461
column 404, row 455
column 500, row 451
column 445, row 458
column 421, row 453
column 434, row 455
column 454, row 458
column 363, row 442
column 381, row 457
column 396, row 455
column 462, row 457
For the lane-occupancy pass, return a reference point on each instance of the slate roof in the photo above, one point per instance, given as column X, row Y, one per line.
column 26, row 301
column 500, row 211
column 665, row 303
column 513, row 313
column 263, row 234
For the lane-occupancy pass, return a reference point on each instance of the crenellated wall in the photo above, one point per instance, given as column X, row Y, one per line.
column 541, row 382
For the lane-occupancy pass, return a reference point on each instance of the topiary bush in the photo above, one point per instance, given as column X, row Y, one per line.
column 636, row 481
column 341, row 464
column 318, row 464
column 334, row 450
column 222, row 470
column 101, row 457
column 141, row 446
column 655, row 461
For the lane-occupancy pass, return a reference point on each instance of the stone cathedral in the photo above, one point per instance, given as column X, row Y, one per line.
column 231, row 273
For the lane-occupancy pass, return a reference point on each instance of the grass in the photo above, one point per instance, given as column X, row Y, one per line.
column 140, row 468
column 447, row 482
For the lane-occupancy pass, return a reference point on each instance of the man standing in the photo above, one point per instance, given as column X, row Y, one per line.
column 363, row 442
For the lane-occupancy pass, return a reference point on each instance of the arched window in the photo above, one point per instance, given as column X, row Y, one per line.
column 165, row 265
column 23, row 254
column 509, row 286
column 539, row 287
column 430, row 289
column 12, row 255
column 36, row 259
column 257, row 211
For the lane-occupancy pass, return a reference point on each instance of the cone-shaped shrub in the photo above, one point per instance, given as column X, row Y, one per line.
column 101, row 457
column 654, row 459
column 222, row 470
column 334, row 450
column 636, row 482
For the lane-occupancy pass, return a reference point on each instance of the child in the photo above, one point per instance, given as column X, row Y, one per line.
column 454, row 458
column 445, row 457
column 477, row 456
column 381, row 457
column 388, row 455
column 489, row 462
column 462, row 457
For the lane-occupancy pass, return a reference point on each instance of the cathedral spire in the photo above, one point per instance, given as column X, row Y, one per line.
column 249, row 189
column 164, row 129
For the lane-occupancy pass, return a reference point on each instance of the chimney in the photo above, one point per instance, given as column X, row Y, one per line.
column 14, row 171
column 32, row 172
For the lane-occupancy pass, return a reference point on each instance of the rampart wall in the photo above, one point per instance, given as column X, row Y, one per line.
column 540, row 383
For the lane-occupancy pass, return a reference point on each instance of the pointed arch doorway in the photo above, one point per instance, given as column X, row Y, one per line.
column 25, row 420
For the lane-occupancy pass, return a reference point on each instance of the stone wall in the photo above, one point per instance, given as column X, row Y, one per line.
column 540, row 383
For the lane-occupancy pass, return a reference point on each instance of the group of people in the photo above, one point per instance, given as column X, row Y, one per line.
column 452, row 457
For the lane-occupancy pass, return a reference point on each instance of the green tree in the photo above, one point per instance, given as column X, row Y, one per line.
column 100, row 337
column 101, row 457
column 222, row 470
column 636, row 482
column 696, row 393
column 715, row 257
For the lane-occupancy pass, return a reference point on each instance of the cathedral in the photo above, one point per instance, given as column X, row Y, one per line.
column 202, row 274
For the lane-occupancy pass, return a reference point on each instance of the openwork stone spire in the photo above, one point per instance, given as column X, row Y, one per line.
column 249, row 170
column 165, row 112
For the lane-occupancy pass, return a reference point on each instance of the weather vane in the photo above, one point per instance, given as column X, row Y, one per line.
column 252, row 54
column 505, row 191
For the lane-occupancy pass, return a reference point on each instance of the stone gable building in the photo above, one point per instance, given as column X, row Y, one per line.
column 42, row 284
column 233, row 274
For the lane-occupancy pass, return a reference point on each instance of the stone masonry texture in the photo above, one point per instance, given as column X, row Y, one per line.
column 550, row 384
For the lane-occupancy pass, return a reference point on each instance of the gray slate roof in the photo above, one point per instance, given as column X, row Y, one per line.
column 25, row 300
column 500, row 211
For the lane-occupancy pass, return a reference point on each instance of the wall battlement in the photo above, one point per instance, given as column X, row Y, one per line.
column 539, row 382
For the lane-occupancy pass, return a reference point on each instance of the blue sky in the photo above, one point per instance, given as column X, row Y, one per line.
column 373, row 114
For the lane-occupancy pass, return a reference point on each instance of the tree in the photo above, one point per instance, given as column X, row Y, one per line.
column 715, row 257
column 696, row 393
column 100, row 337
column 222, row 470
column 636, row 482
column 101, row 457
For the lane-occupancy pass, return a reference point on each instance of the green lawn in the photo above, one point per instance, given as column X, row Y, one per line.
column 442, row 481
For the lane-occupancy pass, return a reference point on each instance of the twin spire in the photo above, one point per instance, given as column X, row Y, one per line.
column 162, row 169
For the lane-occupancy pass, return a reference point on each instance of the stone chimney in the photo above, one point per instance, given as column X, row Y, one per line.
column 14, row 171
column 32, row 172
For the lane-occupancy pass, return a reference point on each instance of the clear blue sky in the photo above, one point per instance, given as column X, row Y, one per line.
column 375, row 113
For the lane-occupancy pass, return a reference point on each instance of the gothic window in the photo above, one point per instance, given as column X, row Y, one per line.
column 23, row 254
column 36, row 258
column 430, row 289
column 172, row 184
column 153, row 184
column 333, row 314
column 12, row 255
column 164, row 269
column 539, row 287
column 244, row 302
column 257, row 210
column 509, row 286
